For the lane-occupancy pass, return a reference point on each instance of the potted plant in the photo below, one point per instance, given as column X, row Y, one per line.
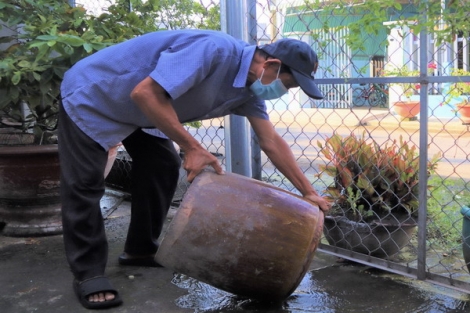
column 406, row 108
column 465, row 211
column 375, row 193
column 42, row 39
column 39, row 41
column 460, row 92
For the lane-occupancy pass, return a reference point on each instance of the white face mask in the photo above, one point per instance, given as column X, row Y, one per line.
column 274, row 90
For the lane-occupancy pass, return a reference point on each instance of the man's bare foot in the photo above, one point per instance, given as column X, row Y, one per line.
column 96, row 293
column 101, row 297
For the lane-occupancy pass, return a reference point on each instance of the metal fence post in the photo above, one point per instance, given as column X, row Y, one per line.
column 256, row 168
column 423, row 152
column 237, row 140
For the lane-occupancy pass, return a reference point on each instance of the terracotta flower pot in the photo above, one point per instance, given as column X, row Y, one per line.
column 407, row 109
column 242, row 236
column 464, row 109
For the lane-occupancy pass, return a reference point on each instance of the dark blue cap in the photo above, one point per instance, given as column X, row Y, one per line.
column 302, row 61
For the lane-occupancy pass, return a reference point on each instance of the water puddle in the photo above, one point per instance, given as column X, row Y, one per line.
column 326, row 290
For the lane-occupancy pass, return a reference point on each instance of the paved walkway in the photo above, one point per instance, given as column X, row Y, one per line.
column 356, row 117
column 35, row 278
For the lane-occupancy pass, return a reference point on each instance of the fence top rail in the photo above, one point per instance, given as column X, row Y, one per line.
column 391, row 80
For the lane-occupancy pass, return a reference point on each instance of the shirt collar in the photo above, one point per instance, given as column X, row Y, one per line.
column 242, row 76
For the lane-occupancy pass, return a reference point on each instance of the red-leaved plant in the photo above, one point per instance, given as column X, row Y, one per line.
column 371, row 180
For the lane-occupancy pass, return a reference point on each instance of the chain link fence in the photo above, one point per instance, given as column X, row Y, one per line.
column 373, row 55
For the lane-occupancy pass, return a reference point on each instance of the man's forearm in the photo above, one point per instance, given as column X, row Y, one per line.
column 283, row 159
column 153, row 101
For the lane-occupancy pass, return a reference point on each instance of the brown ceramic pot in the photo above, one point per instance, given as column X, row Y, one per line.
column 242, row 236
column 29, row 190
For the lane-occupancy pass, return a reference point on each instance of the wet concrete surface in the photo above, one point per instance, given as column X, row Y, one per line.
column 35, row 278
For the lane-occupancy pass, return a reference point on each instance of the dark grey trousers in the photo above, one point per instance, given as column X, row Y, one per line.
column 154, row 177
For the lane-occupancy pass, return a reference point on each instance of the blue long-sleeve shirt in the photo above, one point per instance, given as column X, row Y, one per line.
column 204, row 72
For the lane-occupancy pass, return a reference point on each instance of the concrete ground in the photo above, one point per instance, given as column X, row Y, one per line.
column 35, row 276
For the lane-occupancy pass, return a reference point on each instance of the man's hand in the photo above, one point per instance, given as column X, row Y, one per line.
column 323, row 203
column 195, row 160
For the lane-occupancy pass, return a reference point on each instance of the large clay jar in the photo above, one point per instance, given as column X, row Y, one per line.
column 242, row 236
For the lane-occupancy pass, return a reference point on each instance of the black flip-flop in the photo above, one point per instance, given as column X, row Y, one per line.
column 99, row 284
column 136, row 261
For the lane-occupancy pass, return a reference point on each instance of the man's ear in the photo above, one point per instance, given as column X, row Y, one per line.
column 272, row 62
